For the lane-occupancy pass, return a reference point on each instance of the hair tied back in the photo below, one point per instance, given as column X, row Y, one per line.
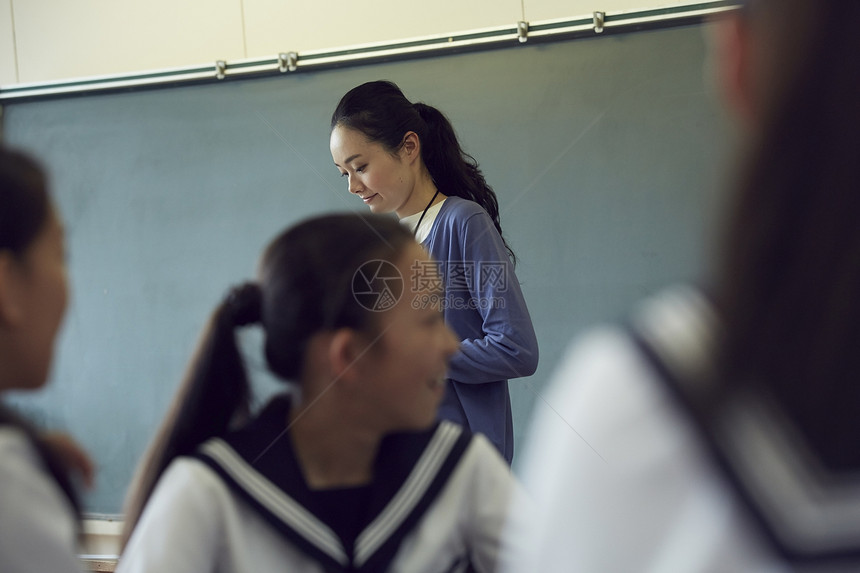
column 244, row 304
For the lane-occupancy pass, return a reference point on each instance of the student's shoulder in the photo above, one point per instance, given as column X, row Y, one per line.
column 476, row 452
column 12, row 437
column 484, row 477
column 480, row 446
column 192, row 488
column 16, row 450
column 189, row 473
column 37, row 522
column 19, row 462
column 24, row 479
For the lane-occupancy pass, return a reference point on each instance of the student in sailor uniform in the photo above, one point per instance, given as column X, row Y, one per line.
column 39, row 523
column 349, row 473
column 721, row 432
column 405, row 158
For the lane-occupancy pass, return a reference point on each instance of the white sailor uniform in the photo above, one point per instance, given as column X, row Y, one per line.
column 38, row 526
column 438, row 504
column 641, row 465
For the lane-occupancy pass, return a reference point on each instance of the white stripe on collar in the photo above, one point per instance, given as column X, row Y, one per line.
column 302, row 521
column 409, row 494
column 279, row 503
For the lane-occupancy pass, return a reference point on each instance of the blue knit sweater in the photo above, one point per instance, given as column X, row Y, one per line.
column 486, row 308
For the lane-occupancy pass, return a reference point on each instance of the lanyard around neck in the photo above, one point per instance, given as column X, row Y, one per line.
column 421, row 218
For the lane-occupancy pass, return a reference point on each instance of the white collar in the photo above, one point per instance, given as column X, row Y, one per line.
column 426, row 224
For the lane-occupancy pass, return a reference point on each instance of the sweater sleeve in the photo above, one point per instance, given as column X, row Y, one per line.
column 507, row 346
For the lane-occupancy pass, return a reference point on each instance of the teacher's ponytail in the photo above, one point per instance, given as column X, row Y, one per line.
column 455, row 172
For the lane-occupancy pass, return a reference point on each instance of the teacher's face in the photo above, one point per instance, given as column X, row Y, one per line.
column 378, row 177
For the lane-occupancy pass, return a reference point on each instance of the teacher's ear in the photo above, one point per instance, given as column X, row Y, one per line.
column 410, row 148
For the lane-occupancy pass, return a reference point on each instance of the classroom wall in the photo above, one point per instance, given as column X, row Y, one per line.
column 8, row 71
column 76, row 38
column 607, row 155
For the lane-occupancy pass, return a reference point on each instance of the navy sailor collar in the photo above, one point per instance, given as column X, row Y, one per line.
column 258, row 464
column 810, row 516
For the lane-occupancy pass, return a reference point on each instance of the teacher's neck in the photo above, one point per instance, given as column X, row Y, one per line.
column 421, row 198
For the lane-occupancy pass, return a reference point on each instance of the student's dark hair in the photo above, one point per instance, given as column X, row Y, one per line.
column 24, row 209
column 24, row 201
column 789, row 279
column 381, row 112
column 305, row 287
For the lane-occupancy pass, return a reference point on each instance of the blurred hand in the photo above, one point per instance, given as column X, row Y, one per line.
column 72, row 455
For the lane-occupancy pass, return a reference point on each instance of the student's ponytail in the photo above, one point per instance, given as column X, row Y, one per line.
column 306, row 286
column 213, row 397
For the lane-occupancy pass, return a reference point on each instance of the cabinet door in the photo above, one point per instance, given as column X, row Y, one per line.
column 59, row 39
column 536, row 10
column 275, row 26
column 8, row 74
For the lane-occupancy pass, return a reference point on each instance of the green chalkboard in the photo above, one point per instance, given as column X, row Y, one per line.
column 607, row 155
